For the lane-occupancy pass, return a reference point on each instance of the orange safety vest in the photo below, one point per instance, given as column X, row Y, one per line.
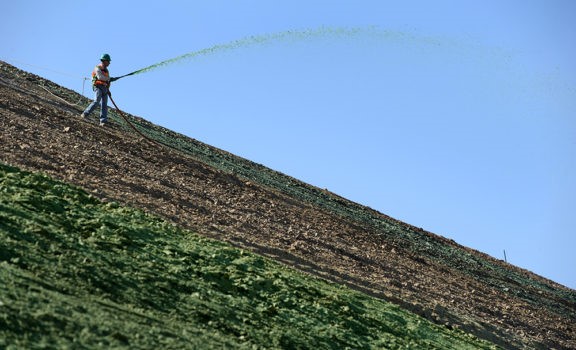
column 96, row 81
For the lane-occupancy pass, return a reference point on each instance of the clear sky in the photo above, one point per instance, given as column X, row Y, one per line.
column 454, row 116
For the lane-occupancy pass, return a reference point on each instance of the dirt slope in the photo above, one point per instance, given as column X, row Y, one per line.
column 223, row 196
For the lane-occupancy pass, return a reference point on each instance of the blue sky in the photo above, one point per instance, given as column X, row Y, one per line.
column 457, row 117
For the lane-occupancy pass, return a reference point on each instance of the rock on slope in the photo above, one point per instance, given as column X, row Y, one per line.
column 232, row 199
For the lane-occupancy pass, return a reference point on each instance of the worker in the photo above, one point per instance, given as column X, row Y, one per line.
column 101, row 85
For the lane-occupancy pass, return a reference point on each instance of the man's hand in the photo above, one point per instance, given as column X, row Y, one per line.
column 113, row 79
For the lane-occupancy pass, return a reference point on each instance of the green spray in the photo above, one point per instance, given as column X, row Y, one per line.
column 285, row 36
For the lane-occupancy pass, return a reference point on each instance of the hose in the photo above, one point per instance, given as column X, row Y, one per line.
column 132, row 125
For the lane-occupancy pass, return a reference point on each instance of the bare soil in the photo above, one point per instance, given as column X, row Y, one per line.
column 326, row 235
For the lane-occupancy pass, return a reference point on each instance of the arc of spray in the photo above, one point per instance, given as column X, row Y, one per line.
column 291, row 35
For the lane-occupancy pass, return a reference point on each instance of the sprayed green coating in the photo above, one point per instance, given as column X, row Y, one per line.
column 79, row 273
column 285, row 36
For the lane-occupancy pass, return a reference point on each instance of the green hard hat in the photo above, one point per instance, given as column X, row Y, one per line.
column 105, row 57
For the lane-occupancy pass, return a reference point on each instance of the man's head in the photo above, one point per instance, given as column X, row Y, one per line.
column 105, row 59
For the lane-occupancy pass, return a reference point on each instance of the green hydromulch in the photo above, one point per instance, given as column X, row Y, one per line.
column 82, row 274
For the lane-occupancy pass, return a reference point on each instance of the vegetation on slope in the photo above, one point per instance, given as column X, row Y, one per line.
column 77, row 272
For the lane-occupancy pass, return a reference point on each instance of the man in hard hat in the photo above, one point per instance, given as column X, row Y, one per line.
column 100, row 84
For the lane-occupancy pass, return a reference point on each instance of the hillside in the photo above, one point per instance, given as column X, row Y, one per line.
column 77, row 272
column 222, row 196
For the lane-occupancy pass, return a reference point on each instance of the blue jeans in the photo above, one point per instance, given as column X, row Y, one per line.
column 100, row 96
